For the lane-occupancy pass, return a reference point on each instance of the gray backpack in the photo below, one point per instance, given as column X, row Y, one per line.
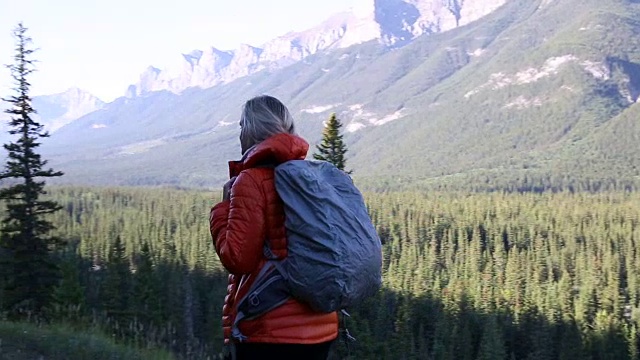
column 334, row 253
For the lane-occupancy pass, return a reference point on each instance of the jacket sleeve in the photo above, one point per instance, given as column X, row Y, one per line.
column 238, row 226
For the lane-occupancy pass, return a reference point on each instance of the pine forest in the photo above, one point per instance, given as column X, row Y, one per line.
column 466, row 276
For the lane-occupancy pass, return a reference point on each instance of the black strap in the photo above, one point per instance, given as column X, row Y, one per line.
column 267, row 292
column 344, row 331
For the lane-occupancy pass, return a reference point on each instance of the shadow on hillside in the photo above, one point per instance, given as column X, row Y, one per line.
column 145, row 301
column 164, row 303
column 401, row 326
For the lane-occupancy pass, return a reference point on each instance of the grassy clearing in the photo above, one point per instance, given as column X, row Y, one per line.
column 21, row 341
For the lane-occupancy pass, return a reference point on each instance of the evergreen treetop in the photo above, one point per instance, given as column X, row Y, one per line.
column 332, row 148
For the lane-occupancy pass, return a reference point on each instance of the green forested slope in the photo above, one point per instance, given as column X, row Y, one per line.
column 528, row 91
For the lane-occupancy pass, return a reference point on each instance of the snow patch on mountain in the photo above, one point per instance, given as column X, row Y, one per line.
column 550, row 67
column 361, row 118
column 354, row 126
column 388, row 118
column 476, row 52
column 358, row 112
column 522, row 102
column 318, row 109
column 599, row 70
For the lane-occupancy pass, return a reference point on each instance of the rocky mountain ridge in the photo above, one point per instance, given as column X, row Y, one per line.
column 392, row 22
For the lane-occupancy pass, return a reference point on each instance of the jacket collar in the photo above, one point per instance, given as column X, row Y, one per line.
column 274, row 150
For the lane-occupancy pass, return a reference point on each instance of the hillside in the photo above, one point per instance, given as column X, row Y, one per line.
column 525, row 94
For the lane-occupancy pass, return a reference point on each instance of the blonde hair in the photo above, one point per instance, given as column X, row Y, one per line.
column 262, row 117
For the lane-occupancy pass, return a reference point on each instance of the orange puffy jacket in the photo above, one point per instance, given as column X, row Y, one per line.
column 239, row 227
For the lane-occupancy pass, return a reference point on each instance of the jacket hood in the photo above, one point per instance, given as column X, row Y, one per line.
column 275, row 150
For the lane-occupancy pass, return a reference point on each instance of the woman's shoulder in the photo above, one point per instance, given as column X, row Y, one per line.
column 257, row 174
column 261, row 179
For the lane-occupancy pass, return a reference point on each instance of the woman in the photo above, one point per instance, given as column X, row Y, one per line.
column 251, row 212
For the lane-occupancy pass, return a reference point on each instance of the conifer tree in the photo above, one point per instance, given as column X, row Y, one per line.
column 492, row 342
column 332, row 148
column 30, row 272
column 117, row 282
column 69, row 298
column 146, row 288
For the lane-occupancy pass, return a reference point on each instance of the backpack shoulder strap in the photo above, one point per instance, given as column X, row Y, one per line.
column 268, row 291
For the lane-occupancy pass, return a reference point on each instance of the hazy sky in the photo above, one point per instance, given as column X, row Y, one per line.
column 102, row 46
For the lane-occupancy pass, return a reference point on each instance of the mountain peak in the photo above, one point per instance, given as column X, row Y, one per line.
column 193, row 57
column 152, row 70
column 393, row 22
column 74, row 90
column 58, row 110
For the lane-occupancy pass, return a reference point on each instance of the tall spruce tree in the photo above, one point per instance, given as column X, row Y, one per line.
column 332, row 148
column 29, row 270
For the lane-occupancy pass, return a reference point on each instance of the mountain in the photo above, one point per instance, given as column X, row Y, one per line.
column 392, row 22
column 525, row 95
column 57, row 110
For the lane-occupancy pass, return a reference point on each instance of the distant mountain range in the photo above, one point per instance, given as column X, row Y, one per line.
column 393, row 22
column 431, row 92
column 57, row 110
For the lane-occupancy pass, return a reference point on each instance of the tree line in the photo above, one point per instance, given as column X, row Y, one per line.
column 466, row 276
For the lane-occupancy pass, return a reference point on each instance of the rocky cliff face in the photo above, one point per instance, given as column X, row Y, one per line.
column 58, row 110
column 401, row 21
column 393, row 22
column 55, row 111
